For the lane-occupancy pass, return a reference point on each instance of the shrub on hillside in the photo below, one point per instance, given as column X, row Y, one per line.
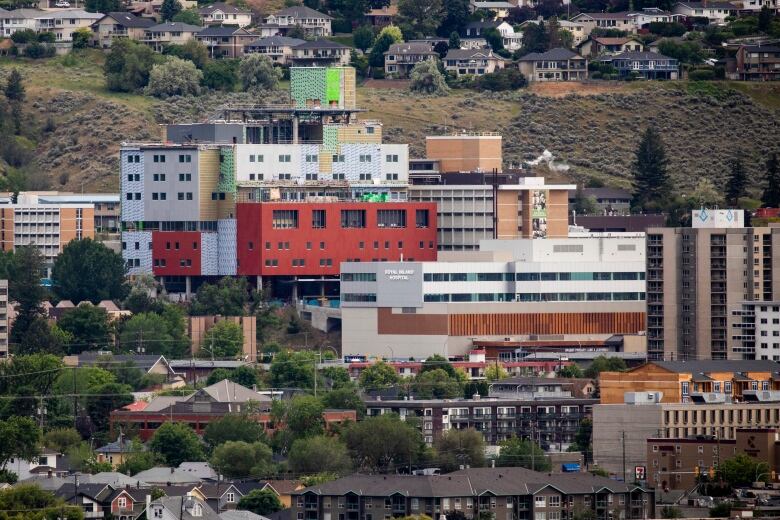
column 24, row 36
column 257, row 72
column 175, row 77
column 701, row 75
column 37, row 50
column 504, row 79
column 427, row 78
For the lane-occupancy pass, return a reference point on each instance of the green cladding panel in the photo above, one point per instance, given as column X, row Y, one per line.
column 333, row 80
column 227, row 177
column 307, row 84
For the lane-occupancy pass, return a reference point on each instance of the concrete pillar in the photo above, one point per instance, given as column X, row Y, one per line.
column 187, row 287
column 259, row 282
column 295, row 129
column 295, row 290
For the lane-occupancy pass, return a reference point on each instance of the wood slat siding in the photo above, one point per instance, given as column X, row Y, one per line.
column 550, row 323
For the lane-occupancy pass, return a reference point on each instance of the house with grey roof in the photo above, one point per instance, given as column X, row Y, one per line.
column 90, row 498
column 472, row 62
column 400, row 58
column 167, row 476
column 715, row 12
column 314, row 23
column 120, row 24
column 176, row 33
column 621, row 21
column 320, row 53
column 220, row 13
column 180, row 508
column 277, row 48
column 645, row 65
column 554, row 65
column 148, row 363
column 499, row 9
column 225, row 41
column 607, row 201
column 504, row 492
column 235, row 514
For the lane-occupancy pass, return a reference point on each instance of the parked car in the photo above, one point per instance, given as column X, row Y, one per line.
column 62, row 3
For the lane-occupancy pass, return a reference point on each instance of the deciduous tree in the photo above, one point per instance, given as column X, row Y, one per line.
column 169, row 9
column 260, row 502
column 239, row 459
column 89, row 328
column 224, row 340
column 319, row 454
column 363, row 37
column 233, row 427
column 426, row 77
column 87, row 270
column 381, row 443
column 257, row 73
column 377, row 376
column 174, row 77
column 457, row 448
column 176, row 443
column 523, row 453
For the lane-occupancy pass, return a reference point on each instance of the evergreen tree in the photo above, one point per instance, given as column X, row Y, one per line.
column 169, row 9
column 771, row 195
column 651, row 178
column 735, row 188
column 454, row 42
column 14, row 89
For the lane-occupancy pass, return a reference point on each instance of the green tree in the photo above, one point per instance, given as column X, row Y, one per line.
column 337, row 377
column 228, row 297
column 652, row 185
column 456, row 448
column 103, row 399
column 454, row 42
column 535, row 39
column 20, row 438
column 293, row 370
column 419, row 19
column 706, row 194
column 102, row 6
column 436, row 384
column 83, row 458
column 571, row 371
column 221, row 74
column 381, row 443
column 583, row 440
column 770, row 198
column 24, row 287
column 224, row 340
column 496, row 372
column 742, row 470
column 765, row 17
column 604, row 364
column 81, row 38
column 156, row 334
column 671, row 512
column 685, row 52
column 359, row 62
column 128, row 65
column 140, row 460
column 297, row 32
column 303, row 417
column 456, row 16
column 377, row 376
column 14, row 87
column 89, row 271
column 174, row 77
column 426, row 78
column 319, row 454
column 169, row 9
column 176, row 443
column 363, row 37
column 437, row 361
column 61, row 439
column 345, row 398
column 523, row 453
column 88, row 326
column 239, row 459
column 503, row 79
column 37, row 371
column 39, row 337
column 494, row 39
column 386, row 37
column 30, row 502
column 583, row 205
column 188, row 16
column 257, row 73
column 191, row 50
column 260, row 502
column 233, row 427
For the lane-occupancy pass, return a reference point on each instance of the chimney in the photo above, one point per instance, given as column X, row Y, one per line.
column 148, row 504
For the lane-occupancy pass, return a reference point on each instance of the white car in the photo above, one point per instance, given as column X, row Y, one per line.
column 62, row 3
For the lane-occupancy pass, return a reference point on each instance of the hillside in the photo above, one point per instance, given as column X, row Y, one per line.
column 592, row 128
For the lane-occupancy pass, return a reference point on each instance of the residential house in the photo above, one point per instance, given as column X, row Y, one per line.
column 120, row 25
column 647, row 65
column 115, row 453
column 127, row 503
column 752, row 6
column 758, row 63
column 148, row 363
column 621, row 21
column 599, row 45
column 554, row 65
column 151, row 8
column 220, row 497
column 277, row 48
column 284, row 489
column 579, row 30
column 500, row 492
column 62, row 23
column 240, row 514
column 165, row 476
column 401, row 58
column 18, row 20
column 46, row 465
column 608, row 201
column 221, row 13
column 499, row 9
column 200, row 470
column 196, row 370
column 715, row 12
column 312, row 22
column 180, row 508
column 649, row 15
column 320, row 53
column 473, row 43
column 178, row 33
column 90, row 498
column 225, row 41
column 382, row 16
column 474, row 62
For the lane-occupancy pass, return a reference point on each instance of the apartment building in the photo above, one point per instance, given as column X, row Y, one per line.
column 49, row 227
column 5, row 330
column 676, row 463
column 466, row 151
column 629, row 426
column 552, row 422
column 757, row 330
column 758, row 63
column 509, row 290
column 697, row 276
column 515, row 493
column 692, row 381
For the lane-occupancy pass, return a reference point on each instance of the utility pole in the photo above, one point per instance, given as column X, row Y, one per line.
column 623, row 437
column 75, row 398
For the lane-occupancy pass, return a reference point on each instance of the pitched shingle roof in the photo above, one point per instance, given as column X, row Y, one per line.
column 130, row 20
column 466, row 54
column 174, row 27
column 708, row 5
column 222, row 30
column 301, row 11
column 552, row 54
column 718, row 365
column 638, row 55
column 321, row 43
column 281, row 41
column 225, row 8
column 410, row 48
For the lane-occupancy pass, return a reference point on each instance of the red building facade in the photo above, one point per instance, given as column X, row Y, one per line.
column 176, row 253
column 309, row 238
